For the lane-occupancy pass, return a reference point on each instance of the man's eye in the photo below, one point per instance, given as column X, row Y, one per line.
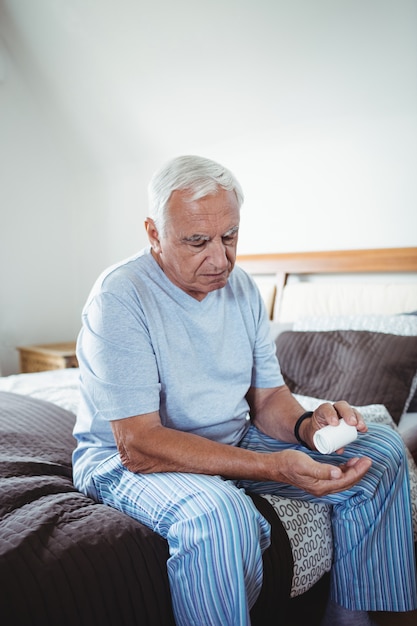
column 198, row 244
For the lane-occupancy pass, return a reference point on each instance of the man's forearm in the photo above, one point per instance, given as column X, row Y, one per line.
column 147, row 447
column 275, row 412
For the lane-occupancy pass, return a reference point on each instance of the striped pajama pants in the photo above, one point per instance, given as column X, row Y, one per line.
column 216, row 535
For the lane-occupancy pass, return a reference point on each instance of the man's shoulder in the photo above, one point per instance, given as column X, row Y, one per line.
column 116, row 277
column 130, row 266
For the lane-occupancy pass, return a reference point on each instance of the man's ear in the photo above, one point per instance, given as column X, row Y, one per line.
column 153, row 234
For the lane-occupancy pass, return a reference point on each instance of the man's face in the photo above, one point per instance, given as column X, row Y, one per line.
column 198, row 250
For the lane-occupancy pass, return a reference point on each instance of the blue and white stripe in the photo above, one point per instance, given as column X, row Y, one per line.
column 216, row 535
column 374, row 564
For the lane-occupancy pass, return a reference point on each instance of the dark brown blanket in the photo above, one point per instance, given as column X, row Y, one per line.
column 66, row 560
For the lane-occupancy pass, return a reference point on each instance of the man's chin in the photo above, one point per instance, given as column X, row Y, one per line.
column 217, row 282
column 211, row 282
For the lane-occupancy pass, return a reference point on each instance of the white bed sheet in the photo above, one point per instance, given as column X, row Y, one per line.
column 57, row 386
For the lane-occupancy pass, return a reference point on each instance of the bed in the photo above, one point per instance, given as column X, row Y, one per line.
column 65, row 559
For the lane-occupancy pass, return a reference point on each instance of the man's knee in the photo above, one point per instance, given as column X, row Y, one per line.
column 386, row 444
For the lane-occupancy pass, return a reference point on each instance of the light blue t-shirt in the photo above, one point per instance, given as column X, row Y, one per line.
column 146, row 345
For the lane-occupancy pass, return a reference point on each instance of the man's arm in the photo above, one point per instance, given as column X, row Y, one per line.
column 146, row 446
column 275, row 412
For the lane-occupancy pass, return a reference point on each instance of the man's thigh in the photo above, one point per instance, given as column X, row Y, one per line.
column 160, row 499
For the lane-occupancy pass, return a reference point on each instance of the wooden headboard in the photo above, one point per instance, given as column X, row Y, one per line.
column 282, row 265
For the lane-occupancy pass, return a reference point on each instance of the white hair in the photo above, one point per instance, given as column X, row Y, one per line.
column 200, row 176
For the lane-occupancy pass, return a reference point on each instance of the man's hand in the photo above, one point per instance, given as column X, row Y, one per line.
column 297, row 468
column 330, row 414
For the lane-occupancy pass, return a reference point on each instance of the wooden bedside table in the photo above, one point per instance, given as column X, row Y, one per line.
column 49, row 356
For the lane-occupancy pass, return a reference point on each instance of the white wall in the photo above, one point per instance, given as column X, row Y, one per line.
column 312, row 104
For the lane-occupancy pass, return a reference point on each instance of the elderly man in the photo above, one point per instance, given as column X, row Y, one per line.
column 184, row 406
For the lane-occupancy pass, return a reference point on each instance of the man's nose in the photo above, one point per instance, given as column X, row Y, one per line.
column 218, row 255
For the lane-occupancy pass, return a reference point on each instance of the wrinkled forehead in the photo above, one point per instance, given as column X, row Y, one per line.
column 219, row 208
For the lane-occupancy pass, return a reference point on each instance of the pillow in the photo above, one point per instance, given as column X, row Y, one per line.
column 361, row 367
column 336, row 296
column 312, row 550
column 404, row 324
